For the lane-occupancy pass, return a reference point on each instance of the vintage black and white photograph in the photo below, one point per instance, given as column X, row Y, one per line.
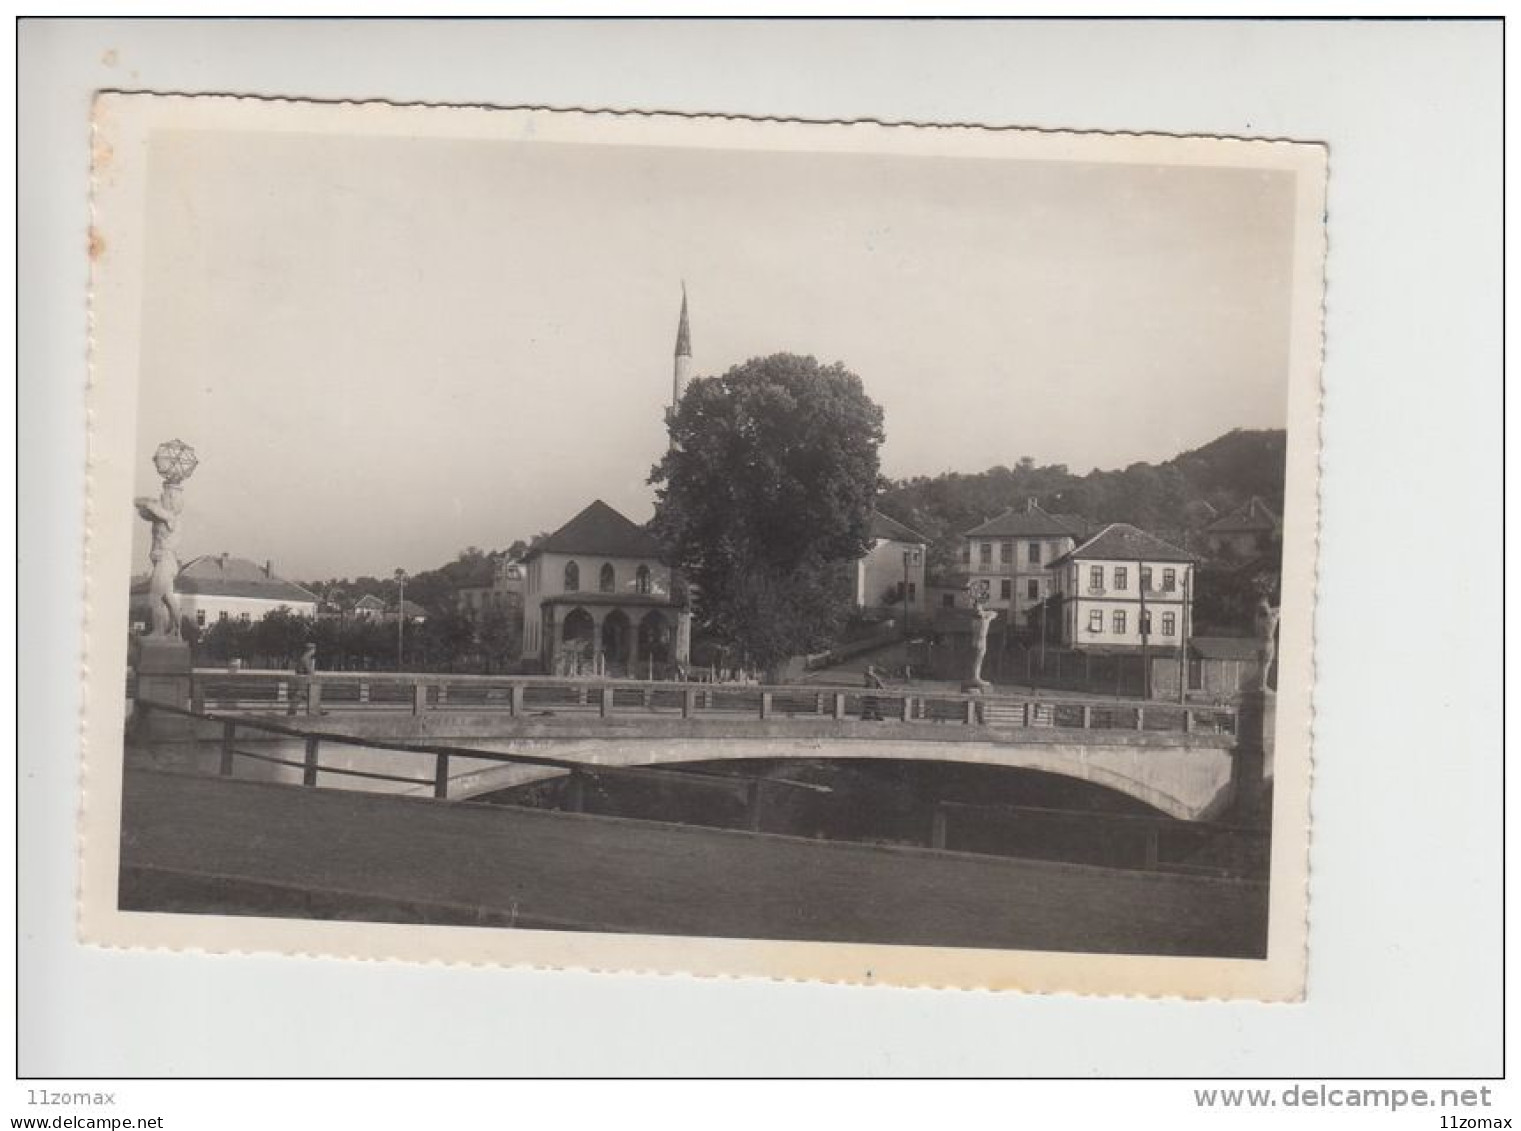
column 864, row 552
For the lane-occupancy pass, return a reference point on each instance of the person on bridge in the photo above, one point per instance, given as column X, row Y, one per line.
column 871, row 707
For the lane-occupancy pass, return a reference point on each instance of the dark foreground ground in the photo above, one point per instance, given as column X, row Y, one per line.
column 196, row 844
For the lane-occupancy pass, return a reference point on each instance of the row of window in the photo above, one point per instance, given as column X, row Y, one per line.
column 1119, row 619
column 607, row 578
column 200, row 617
column 984, row 589
column 1122, row 578
column 1005, row 552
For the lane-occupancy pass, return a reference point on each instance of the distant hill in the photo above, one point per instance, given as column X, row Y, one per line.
column 1172, row 498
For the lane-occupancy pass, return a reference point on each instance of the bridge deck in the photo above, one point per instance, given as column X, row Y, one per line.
column 206, row 844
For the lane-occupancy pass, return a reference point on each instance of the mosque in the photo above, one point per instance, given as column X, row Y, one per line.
column 596, row 597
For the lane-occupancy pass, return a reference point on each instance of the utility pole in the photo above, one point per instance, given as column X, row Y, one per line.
column 906, row 555
column 1145, row 634
column 1184, row 626
column 401, row 611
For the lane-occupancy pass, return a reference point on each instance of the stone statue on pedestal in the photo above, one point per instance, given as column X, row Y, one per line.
column 985, row 616
column 1267, row 640
column 174, row 461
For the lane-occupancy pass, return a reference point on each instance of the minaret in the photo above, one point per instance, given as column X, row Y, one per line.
column 683, row 369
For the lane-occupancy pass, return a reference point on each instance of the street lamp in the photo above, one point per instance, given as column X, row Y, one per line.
column 401, row 611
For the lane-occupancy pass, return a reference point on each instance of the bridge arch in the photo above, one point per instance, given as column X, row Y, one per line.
column 1186, row 782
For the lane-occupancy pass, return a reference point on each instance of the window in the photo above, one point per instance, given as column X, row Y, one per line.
column 1096, row 577
column 1032, row 590
column 1146, row 622
column 572, row 577
column 1121, row 577
column 947, row 600
column 200, row 618
column 1006, row 552
column 1169, row 624
column 642, row 579
column 1005, row 589
column 1032, row 553
column 244, row 617
column 1096, row 620
column 1119, row 622
column 607, row 581
column 221, row 616
column 985, row 553
column 913, row 592
column 966, row 553
column 1145, row 577
column 1169, row 580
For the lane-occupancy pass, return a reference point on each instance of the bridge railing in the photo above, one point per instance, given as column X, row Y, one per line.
column 236, row 731
column 528, row 697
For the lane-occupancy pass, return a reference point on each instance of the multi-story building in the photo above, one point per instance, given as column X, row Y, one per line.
column 1006, row 558
column 596, row 598
column 218, row 587
column 894, row 563
column 1123, row 588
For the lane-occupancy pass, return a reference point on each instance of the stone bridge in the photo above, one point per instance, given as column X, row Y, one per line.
column 459, row 737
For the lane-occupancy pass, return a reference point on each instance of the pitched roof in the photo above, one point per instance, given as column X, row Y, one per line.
column 1251, row 515
column 1030, row 522
column 1119, row 541
column 890, row 529
column 599, row 529
column 369, row 601
column 1225, row 647
column 222, row 575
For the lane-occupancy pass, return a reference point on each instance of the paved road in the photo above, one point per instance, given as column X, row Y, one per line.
column 195, row 843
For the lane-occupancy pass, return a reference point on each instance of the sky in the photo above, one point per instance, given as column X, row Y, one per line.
column 386, row 349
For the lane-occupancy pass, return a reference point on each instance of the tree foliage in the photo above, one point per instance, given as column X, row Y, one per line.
column 767, row 491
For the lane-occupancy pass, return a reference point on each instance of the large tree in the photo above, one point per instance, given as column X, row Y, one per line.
column 766, row 492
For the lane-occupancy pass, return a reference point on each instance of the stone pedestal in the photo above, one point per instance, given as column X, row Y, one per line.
column 163, row 676
column 1255, row 724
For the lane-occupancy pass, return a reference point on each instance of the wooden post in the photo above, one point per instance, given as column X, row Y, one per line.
column 419, row 697
column 908, row 709
column 839, row 704
column 1087, row 716
column 753, row 805
column 1188, row 721
column 937, row 826
column 688, row 703
column 1029, row 714
column 314, row 697
column 441, row 776
column 229, row 732
column 970, row 717
column 605, row 702
column 1140, row 718
column 518, row 692
column 309, row 769
column 765, row 707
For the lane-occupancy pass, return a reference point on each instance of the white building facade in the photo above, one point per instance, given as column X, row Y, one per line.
column 597, row 599
column 1006, row 559
column 218, row 587
column 1122, row 589
column 893, row 565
